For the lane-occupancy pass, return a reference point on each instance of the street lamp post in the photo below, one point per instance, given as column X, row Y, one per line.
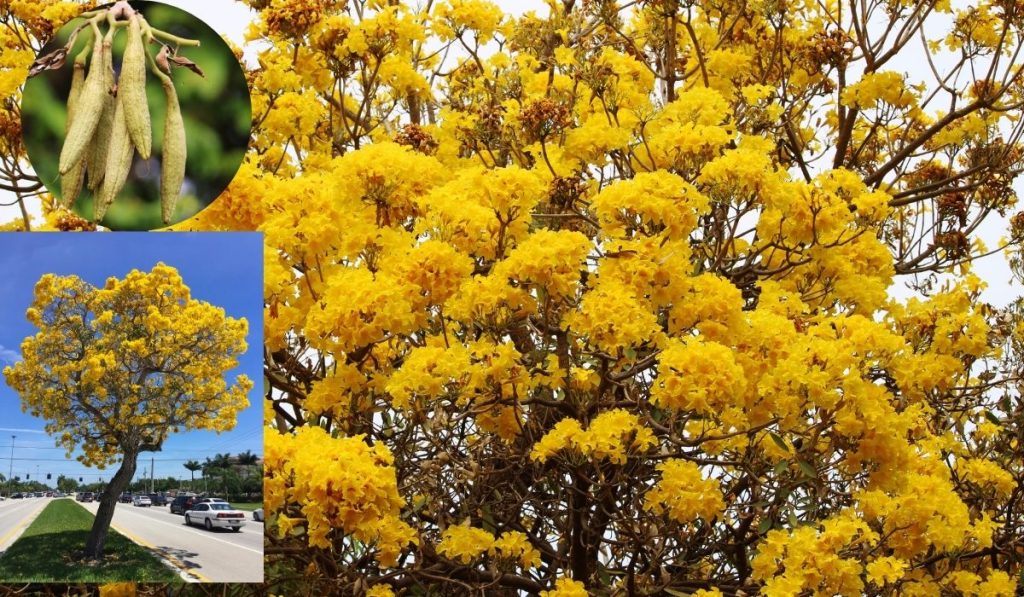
column 10, row 471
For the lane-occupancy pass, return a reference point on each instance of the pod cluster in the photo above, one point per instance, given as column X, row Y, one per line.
column 109, row 117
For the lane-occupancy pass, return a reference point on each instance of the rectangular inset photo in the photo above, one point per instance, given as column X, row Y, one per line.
column 131, row 419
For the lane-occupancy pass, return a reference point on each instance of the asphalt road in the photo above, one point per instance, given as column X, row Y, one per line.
column 16, row 515
column 205, row 556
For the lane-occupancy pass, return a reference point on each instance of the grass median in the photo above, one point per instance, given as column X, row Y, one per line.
column 50, row 550
column 249, row 506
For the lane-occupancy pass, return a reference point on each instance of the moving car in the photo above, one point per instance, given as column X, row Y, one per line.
column 125, row 497
column 257, row 514
column 216, row 514
column 182, row 502
column 86, row 496
column 142, row 500
column 158, row 499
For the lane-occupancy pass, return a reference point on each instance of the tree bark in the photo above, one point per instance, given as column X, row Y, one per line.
column 108, row 500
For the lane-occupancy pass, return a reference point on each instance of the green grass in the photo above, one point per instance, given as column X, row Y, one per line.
column 50, row 550
column 248, row 506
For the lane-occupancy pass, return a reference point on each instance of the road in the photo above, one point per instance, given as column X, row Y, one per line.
column 206, row 556
column 16, row 515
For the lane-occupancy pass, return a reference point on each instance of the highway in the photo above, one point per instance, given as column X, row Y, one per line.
column 204, row 556
column 16, row 515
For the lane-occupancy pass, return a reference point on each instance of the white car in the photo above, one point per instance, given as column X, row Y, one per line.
column 215, row 514
column 257, row 514
column 142, row 500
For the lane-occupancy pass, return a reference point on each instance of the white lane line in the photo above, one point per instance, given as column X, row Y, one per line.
column 197, row 534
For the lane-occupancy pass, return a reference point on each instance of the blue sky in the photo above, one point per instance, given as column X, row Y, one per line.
column 225, row 269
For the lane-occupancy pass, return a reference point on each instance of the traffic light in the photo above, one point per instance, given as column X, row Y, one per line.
column 79, row 479
column 47, row 475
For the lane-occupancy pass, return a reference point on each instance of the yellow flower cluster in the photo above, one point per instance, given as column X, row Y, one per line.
column 684, row 494
column 466, row 543
column 337, row 485
column 651, row 204
column 697, row 375
column 612, row 318
column 882, row 86
column 454, row 17
column 987, row 474
column 565, row 587
column 609, row 437
column 812, row 558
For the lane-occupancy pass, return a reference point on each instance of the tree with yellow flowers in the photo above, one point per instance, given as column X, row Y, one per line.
column 600, row 299
column 115, row 370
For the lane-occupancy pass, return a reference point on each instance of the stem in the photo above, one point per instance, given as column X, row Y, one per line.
column 174, row 39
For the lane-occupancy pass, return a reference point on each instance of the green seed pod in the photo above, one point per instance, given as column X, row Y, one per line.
column 132, row 87
column 119, row 162
column 172, row 166
column 96, row 161
column 87, row 112
column 71, row 181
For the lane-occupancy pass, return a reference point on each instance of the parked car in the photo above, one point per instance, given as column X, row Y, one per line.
column 215, row 514
column 182, row 502
column 142, row 500
column 158, row 499
column 17, row 496
column 86, row 496
column 257, row 514
column 125, row 497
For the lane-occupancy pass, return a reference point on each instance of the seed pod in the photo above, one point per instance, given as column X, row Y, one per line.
column 71, row 181
column 119, row 162
column 132, row 88
column 172, row 167
column 97, row 158
column 87, row 111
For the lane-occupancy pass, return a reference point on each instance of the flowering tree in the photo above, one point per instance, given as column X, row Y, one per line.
column 114, row 370
column 600, row 301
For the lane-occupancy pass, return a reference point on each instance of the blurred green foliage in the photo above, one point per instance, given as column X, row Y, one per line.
column 216, row 110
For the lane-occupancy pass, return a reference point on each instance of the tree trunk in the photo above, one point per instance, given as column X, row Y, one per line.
column 108, row 500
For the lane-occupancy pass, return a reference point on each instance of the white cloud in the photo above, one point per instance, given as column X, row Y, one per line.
column 8, row 355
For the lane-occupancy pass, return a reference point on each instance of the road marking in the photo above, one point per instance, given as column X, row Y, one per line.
column 197, row 532
column 207, row 535
column 18, row 529
column 182, row 567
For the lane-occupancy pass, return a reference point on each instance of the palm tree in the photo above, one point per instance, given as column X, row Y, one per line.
column 219, row 462
column 193, row 466
column 246, row 459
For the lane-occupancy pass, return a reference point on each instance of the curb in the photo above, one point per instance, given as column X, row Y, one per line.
column 184, row 571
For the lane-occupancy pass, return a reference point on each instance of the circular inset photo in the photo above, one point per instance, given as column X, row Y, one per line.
column 136, row 115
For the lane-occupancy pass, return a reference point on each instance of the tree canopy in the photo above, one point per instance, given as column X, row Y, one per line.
column 600, row 299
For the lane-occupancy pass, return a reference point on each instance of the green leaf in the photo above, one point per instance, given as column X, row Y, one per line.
column 764, row 526
column 676, row 593
column 992, row 418
column 780, row 467
column 778, row 441
column 807, row 469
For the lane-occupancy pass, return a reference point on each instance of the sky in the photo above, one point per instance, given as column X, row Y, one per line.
column 225, row 269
